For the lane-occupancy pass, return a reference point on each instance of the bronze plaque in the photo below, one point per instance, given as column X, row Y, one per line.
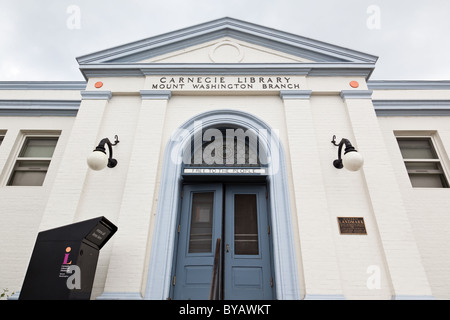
column 351, row 225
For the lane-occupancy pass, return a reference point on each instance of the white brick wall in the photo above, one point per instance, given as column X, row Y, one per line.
column 318, row 260
column 406, row 227
column 128, row 259
column 21, row 208
column 402, row 258
column 427, row 209
column 347, row 196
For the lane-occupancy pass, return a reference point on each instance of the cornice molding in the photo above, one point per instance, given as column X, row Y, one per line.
column 24, row 108
column 43, row 85
column 307, row 69
column 156, row 94
column 295, row 94
column 409, row 84
column 356, row 94
column 96, row 95
column 412, row 107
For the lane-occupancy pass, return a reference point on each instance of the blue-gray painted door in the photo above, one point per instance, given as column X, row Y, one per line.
column 200, row 226
column 238, row 215
column 247, row 268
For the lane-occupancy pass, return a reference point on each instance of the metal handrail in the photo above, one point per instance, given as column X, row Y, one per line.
column 214, row 292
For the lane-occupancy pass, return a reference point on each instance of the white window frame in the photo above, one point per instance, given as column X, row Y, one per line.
column 23, row 139
column 437, row 148
column 2, row 136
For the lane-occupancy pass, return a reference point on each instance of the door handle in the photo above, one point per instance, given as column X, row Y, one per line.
column 228, row 247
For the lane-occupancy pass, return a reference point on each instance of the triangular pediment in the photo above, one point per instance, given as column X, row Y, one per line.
column 226, row 50
column 226, row 40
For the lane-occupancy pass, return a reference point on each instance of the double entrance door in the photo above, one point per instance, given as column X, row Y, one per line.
column 238, row 216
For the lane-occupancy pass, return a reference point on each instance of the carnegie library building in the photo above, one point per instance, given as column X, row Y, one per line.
column 236, row 162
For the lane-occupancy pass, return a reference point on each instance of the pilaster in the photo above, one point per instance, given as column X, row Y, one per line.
column 318, row 253
column 403, row 261
column 65, row 195
column 139, row 201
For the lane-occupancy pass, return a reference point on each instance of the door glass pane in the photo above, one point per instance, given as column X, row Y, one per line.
column 245, row 224
column 200, row 238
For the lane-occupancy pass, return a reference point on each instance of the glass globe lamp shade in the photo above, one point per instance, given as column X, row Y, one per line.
column 97, row 160
column 352, row 161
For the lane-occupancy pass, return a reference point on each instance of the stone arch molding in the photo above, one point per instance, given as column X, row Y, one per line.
column 163, row 242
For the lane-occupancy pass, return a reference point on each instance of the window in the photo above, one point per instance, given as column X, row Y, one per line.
column 422, row 162
column 33, row 161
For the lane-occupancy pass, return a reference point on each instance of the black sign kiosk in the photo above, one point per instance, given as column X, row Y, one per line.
column 64, row 260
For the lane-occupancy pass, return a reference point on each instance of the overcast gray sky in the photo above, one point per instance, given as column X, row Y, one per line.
column 40, row 39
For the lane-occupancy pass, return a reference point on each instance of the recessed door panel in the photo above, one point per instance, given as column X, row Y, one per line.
column 247, row 278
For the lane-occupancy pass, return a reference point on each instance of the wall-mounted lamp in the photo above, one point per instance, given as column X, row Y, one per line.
column 352, row 160
column 98, row 159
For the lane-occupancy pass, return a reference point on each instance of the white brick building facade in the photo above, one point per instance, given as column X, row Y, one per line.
column 232, row 73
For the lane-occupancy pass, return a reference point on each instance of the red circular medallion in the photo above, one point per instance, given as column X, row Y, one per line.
column 354, row 84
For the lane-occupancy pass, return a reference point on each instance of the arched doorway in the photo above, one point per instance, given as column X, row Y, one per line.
column 224, row 221
column 270, row 175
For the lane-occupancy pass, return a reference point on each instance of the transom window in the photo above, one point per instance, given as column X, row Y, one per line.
column 227, row 147
column 422, row 162
column 33, row 161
